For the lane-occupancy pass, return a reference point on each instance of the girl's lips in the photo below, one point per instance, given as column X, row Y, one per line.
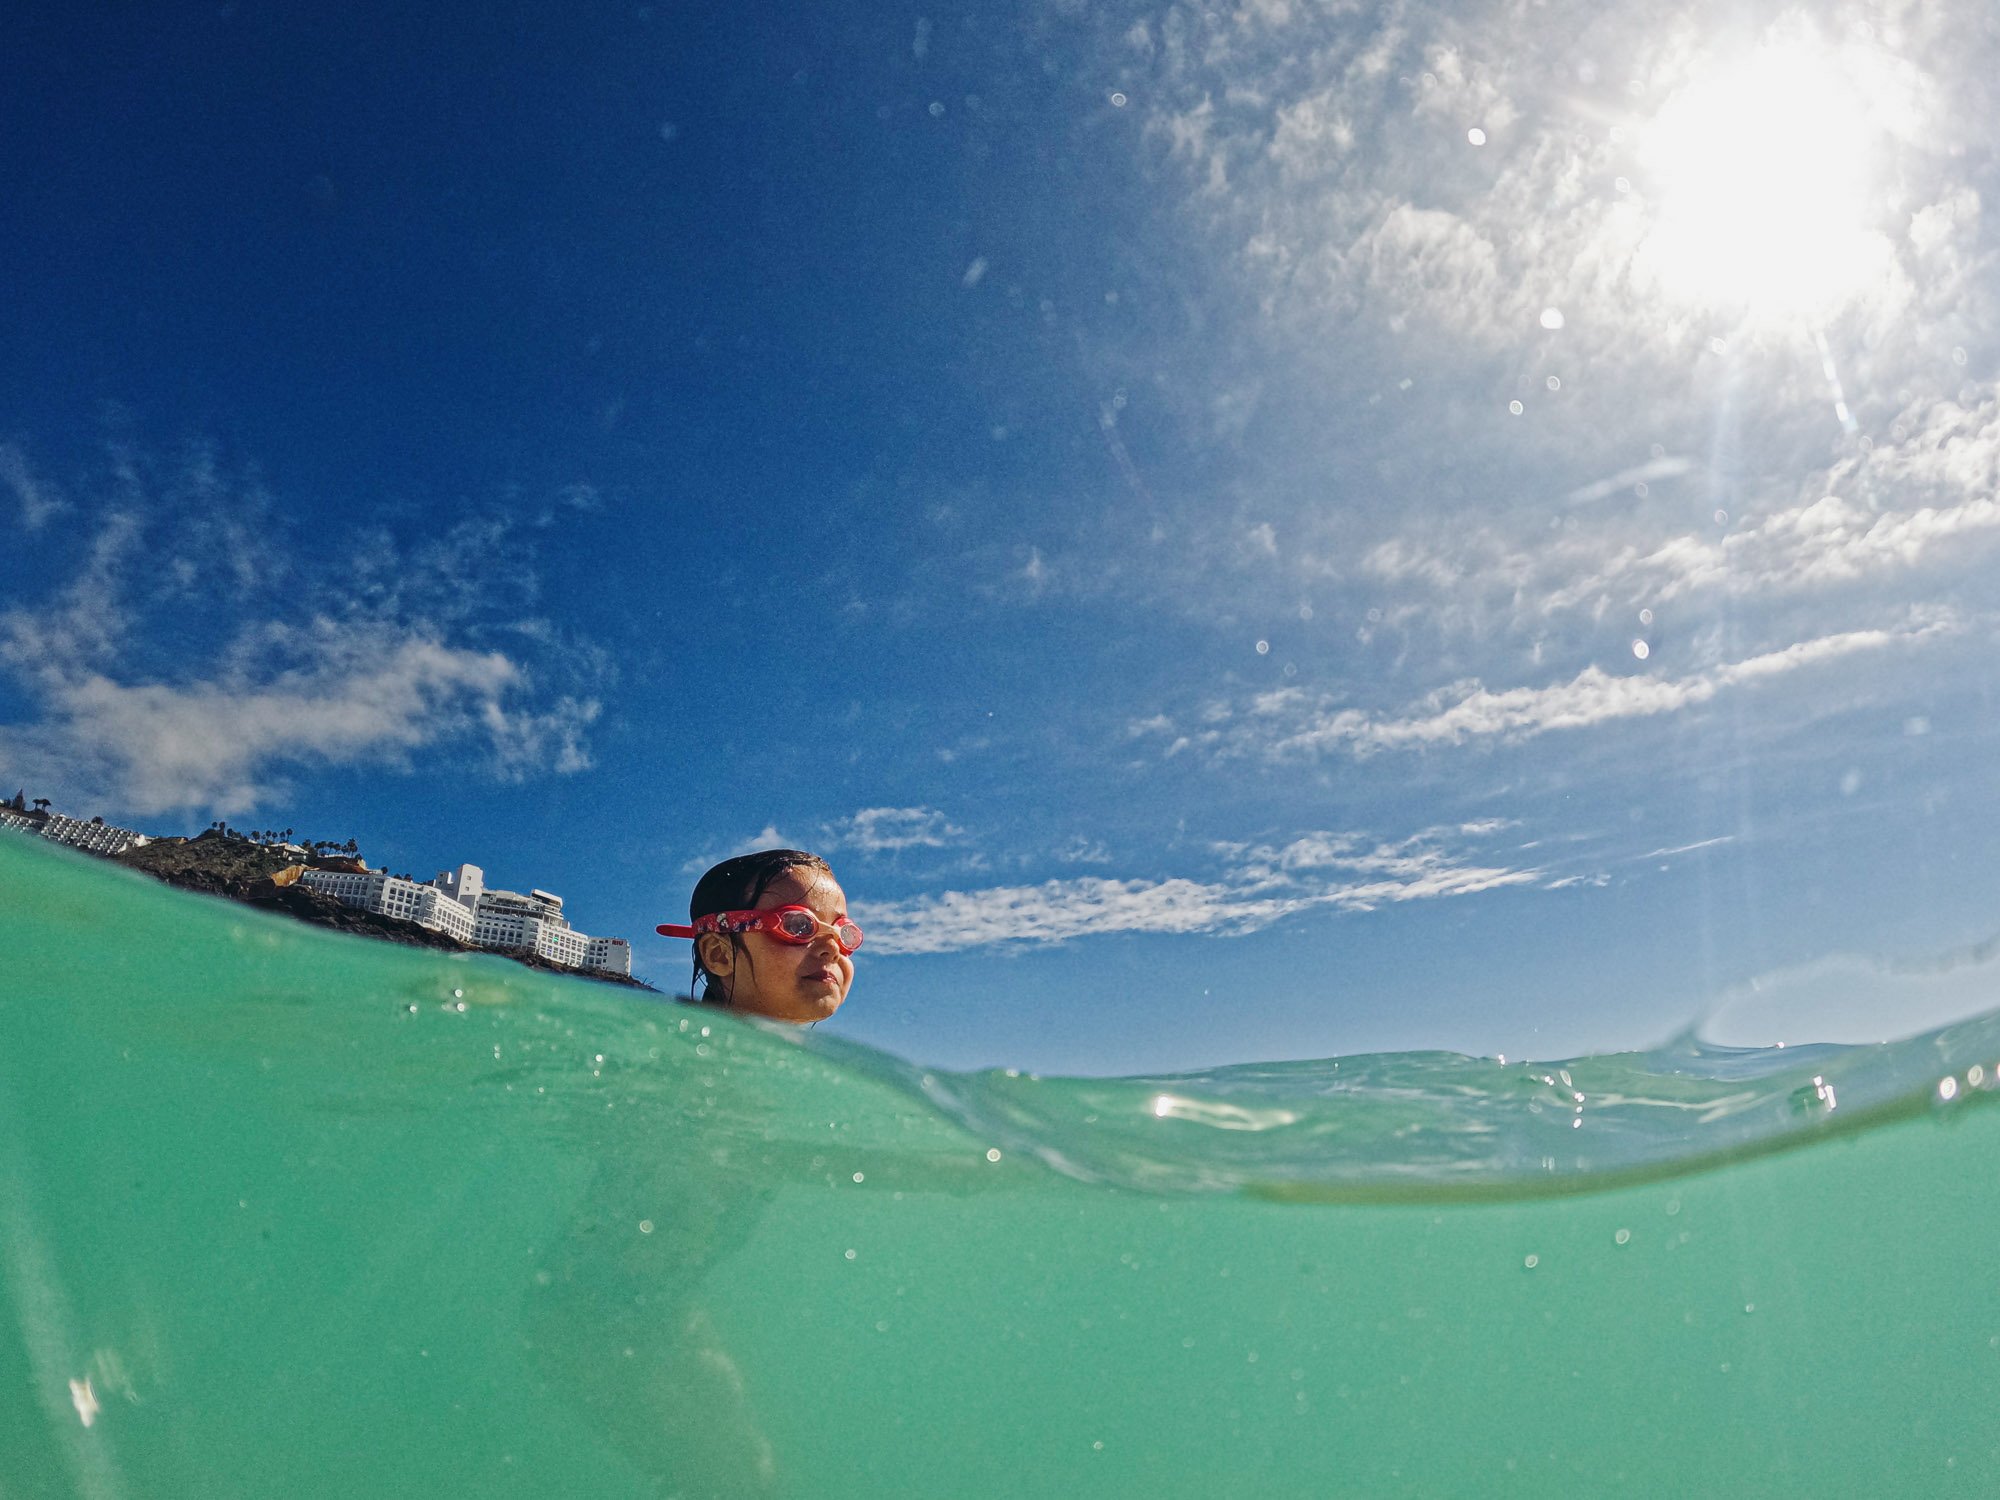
column 823, row 976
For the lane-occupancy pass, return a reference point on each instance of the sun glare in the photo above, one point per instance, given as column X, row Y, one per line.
column 1761, row 180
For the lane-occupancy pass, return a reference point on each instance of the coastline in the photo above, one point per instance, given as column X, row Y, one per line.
column 240, row 869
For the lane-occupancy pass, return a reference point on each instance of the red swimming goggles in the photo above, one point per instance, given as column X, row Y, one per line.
column 797, row 925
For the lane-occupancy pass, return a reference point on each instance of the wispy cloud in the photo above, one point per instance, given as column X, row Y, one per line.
column 1292, row 722
column 890, row 830
column 768, row 837
column 1727, row 838
column 190, row 660
column 1637, row 477
column 39, row 501
column 1259, row 885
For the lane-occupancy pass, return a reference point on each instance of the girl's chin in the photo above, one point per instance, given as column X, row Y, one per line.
column 824, row 1004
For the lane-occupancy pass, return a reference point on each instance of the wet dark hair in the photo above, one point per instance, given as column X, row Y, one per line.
column 738, row 885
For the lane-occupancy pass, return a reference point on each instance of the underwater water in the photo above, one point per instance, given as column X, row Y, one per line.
column 288, row 1213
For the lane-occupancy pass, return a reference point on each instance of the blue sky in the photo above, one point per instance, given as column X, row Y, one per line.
column 1243, row 531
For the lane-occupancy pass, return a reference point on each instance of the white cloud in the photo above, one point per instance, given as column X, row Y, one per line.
column 1083, row 851
column 1293, row 722
column 215, row 745
column 1912, row 517
column 1260, row 885
column 889, row 830
column 1670, row 467
column 40, row 501
column 766, row 838
column 1727, row 838
column 191, row 663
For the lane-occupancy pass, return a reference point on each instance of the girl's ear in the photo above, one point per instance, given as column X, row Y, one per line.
column 717, row 954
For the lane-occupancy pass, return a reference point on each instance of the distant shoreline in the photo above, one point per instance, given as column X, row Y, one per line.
column 227, row 864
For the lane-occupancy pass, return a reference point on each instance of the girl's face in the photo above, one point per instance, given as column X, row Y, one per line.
column 787, row 981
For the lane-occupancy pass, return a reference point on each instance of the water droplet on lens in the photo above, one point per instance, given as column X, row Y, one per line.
column 1515, row 407
column 1623, row 1236
column 1947, row 1089
column 1263, row 648
column 1476, row 136
column 993, row 1153
column 850, row 1255
column 1532, row 1261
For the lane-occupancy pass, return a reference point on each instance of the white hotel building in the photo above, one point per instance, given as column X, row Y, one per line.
column 459, row 905
column 94, row 837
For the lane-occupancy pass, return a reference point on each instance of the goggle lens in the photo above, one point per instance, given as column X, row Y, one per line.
column 798, row 924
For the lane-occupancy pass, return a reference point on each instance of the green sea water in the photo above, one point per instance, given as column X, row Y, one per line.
column 285, row 1213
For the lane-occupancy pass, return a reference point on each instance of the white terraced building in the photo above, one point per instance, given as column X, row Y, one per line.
column 95, row 837
column 393, row 896
column 458, row 903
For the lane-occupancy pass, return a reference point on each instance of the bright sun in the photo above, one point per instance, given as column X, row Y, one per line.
column 1762, row 177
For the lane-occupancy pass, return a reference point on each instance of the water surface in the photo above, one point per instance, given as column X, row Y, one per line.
column 285, row 1212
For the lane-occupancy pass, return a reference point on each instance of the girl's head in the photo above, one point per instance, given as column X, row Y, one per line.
column 760, row 973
